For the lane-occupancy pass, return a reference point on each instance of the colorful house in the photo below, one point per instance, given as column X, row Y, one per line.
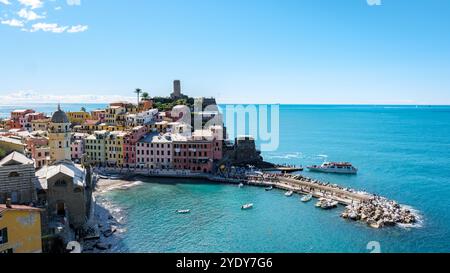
column 114, row 148
column 20, row 229
column 95, row 147
column 129, row 145
column 78, row 117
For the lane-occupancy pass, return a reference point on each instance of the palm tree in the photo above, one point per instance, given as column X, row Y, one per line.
column 83, row 109
column 138, row 91
column 145, row 96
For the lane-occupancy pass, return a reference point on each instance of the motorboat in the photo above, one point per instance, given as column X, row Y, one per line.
column 334, row 167
column 289, row 193
column 247, row 206
column 269, row 188
column 183, row 211
column 306, row 198
column 241, row 185
column 325, row 203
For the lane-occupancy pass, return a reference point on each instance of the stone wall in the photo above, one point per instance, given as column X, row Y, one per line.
column 17, row 182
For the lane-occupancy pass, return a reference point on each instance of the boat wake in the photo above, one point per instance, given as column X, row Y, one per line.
column 285, row 156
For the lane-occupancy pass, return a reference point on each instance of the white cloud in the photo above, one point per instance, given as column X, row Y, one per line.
column 31, row 96
column 55, row 28
column 29, row 15
column 34, row 4
column 26, row 13
column 13, row 23
column 73, row 2
column 78, row 28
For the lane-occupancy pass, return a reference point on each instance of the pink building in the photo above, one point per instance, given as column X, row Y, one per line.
column 37, row 146
column 77, row 145
column 193, row 155
column 18, row 118
column 129, row 145
column 155, row 151
column 31, row 117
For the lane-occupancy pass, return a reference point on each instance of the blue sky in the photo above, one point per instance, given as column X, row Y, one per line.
column 246, row 51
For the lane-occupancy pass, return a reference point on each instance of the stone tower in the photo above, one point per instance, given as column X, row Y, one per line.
column 176, row 89
column 59, row 136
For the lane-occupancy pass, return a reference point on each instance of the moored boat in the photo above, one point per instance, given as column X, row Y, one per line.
column 306, row 198
column 334, row 167
column 269, row 188
column 289, row 193
column 241, row 185
column 325, row 203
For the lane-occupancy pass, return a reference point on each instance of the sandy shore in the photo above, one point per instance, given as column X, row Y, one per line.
column 109, row 219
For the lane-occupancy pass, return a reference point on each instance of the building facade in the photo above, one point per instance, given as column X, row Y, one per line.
column 17, row 179
column 95, row 147
column 129, row 145
column 20, row 229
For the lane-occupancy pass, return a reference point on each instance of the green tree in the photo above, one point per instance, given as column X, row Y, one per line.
column 83, row 109
column 145, row 96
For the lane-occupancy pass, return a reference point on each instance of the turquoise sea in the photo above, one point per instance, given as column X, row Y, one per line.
column 402, row 152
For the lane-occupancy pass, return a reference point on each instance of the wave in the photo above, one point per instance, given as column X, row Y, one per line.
column 419, row 218
column 112, row 185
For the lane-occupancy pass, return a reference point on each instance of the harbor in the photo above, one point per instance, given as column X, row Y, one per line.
column 374, row 210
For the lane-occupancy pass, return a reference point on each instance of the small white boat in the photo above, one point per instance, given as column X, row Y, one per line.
column 269, row 188
column 183, row 211
column 247, row 206
column 306, row 198
column 241, row 185
column 289, row 193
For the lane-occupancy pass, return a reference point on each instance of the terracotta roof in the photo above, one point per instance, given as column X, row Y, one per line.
column 17, row 207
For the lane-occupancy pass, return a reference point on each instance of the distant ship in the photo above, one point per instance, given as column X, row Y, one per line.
column 334, row 167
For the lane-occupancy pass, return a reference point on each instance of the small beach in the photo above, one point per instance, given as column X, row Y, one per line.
column 108, row 217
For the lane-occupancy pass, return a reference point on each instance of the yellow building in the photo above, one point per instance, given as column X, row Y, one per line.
column 113, row 113
column 11, row 144
column 110, row 128
column 95, row 147
column 114, row 148
column 40, row 124
column 20, row 229
column 78, row 117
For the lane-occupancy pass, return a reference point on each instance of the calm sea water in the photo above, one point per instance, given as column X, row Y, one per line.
column 402, row 153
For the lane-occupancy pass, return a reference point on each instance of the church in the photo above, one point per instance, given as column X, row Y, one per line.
column 64, row 186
